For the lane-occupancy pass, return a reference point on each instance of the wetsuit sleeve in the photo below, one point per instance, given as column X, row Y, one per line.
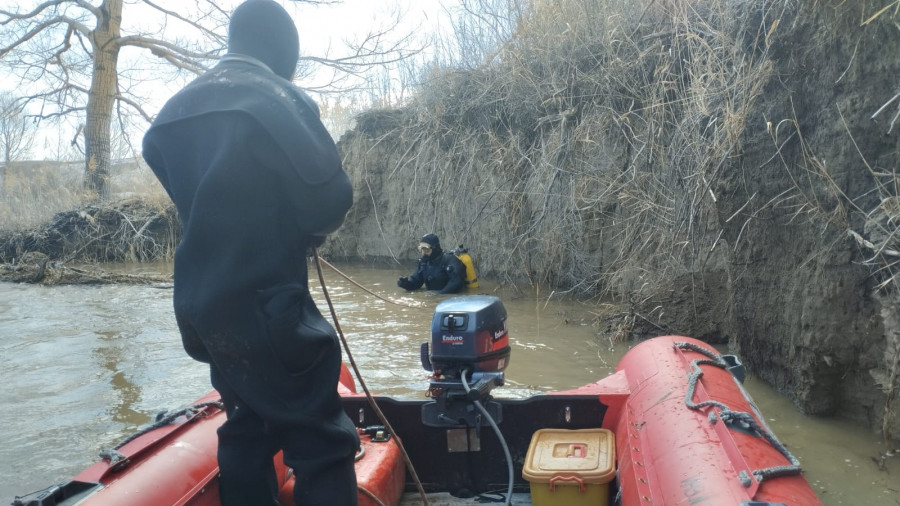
column 415, row 280
column 327, row 205
column 327, row 201
column 456, row 274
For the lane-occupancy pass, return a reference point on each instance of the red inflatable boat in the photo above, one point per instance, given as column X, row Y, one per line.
column 673, row 426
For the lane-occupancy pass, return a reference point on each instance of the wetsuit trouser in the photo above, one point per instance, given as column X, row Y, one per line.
column 247, row 446
column 277, row 368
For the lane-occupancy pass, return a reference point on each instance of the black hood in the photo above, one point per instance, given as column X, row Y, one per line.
column 431, row 240
column 435, row 243
column 263, row 30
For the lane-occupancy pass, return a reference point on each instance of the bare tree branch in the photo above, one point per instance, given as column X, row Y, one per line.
column 211, row 33
column 14, row 16
column 50, row 23
column 16, row 130
column 136, row 106
column 173, row 53
column 66, row 54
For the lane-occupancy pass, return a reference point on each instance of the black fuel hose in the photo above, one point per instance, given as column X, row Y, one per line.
column 493, row 424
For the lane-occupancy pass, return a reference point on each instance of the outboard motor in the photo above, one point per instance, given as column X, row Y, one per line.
column 469, row 351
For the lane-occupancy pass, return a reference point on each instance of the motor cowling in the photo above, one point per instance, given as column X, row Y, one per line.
column 467, row 333
column 469, row 349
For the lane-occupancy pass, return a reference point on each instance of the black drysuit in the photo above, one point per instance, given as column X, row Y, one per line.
column 438, row 271
column 256, row 180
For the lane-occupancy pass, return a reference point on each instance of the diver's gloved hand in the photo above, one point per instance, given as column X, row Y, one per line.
column 404, row 283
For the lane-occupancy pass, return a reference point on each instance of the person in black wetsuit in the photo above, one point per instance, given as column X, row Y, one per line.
column 436, row 270
column 257, row 181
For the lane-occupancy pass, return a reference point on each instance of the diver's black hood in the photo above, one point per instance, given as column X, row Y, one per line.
column 435, row 243
column 263, row 30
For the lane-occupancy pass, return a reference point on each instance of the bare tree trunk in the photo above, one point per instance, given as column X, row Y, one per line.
column 100, row 100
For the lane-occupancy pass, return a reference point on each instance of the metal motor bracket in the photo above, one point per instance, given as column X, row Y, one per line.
column 458, row 414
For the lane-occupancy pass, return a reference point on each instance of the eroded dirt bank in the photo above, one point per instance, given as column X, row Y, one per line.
column 727, row 170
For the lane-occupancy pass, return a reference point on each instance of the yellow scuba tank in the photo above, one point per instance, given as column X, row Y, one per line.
column 463, row 255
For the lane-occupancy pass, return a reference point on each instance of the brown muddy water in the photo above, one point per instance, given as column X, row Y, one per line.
column 83, row 367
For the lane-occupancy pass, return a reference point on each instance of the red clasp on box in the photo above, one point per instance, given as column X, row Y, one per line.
column 577, row 451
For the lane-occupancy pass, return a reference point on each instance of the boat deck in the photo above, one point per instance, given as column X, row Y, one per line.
column 444, row 499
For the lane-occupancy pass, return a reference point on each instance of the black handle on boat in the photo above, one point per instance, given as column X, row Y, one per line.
column 484, row 383
column 423, row 355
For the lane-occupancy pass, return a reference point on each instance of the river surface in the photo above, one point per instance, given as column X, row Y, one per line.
column 83, row 367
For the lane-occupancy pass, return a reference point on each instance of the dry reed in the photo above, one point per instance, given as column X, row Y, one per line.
column 589, row 147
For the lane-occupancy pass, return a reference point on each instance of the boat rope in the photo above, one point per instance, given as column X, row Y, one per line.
column 374, row 498
column 362, row 383
column 163, row 418
column 370, row 292
column 741, row 419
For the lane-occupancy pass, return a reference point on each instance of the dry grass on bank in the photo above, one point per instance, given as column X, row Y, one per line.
column 44, row 210
column 31, row 193
column 590, row 146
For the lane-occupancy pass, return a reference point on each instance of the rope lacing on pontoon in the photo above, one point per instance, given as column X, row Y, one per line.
column 744, row 420
column 163, row 418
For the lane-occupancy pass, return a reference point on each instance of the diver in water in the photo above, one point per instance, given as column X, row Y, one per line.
column 257, row 181
column 436, row 270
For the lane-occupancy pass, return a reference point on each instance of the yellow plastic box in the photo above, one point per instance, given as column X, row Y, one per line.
column 570, row 467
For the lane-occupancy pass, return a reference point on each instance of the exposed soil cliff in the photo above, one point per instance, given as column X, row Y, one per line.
column 726, row 170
